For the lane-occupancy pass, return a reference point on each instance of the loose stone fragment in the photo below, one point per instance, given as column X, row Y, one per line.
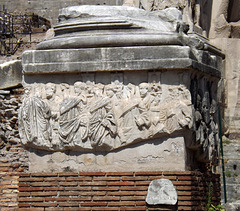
column 161, row 191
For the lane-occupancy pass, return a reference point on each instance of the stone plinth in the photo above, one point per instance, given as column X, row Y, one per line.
column 120, row 88
column 11, row 74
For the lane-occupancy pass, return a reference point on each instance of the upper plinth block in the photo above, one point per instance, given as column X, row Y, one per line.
column 119, row 38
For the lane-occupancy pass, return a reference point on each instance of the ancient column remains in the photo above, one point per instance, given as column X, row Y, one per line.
column 120, row 89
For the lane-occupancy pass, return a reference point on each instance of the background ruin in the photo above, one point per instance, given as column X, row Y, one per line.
column 217, row 21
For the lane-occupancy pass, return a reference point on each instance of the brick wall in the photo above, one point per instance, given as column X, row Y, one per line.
column 111, row 190
column 13, row 158
column 83, row 190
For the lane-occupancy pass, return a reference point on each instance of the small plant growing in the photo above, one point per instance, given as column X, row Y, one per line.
column 226, row 141
column 228, row 173
column 210, row 206
column 217, row 207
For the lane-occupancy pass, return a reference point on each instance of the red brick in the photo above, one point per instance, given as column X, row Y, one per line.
column 120, row 173
column 5, row 164
column 128, row 193
column 188, row 203
column 139, row 188
column 5, row 200
column 23, row 194
column 15, row 165
column 30, row 189
column 148, row 173
column 5, row 169
column 68, row 183
column 30, row 209
column 44, row 193
column 54, row 209
column 185, row 178
column 83, row 198
column 24, row 184
column 93, row 204
column 142, row 183
column 141, row 203
column 105, row 188
column 57, row 199
column 93, row 193
column 44, row 204
column 183, row 182
column 44, row 174
column 43, row 184
column 24, row 204
column 68, row 174
column 185, row 193
column 19, row 169
column 6, row 182
column 78, row 178
column 189, row 188
column 132, row 208
column 68, row 199
column 12, row 186
column 120, row 183
column 84, row 188
column 68, row 204
column 69, row 193
column 190, row 208
column 102, row 183
column 107, row 178
column 53, row 188
column 122, row 203
column 6, row 177
column 162, row 177
column 183, row 173
column 32, row 199
column 29, row 179
column 132, row 198
column 134, row 178
column 106, row 198
column 190, row 198
column 105, row 208
column 55, row 179
column 92, row 173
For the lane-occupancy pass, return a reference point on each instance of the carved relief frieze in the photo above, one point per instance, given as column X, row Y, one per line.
column 86, row 116
column 205, row 128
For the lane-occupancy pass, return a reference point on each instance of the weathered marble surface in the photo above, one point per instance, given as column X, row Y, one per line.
column 161, row 191
column 113, row 77
column 91, row 38
column 11, row 74
column 162, row 154
column 88, row 116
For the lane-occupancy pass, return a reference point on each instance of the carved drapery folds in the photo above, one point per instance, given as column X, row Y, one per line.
column 205, row 128
column 88, row 116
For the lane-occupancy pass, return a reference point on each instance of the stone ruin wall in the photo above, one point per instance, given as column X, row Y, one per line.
column 13, row 157
column 20, row 190
column 31, row 189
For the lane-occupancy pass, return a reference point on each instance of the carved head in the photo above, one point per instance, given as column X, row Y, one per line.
column 156, row 89
column 50, row 90
column 206, row 107
column 109, row 90
column 78, row 88
column 27, row 90
column 143, row 89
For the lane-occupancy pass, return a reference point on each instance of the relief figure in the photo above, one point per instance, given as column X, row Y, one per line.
column 34, row 120
column 102, row 123
column 73, row 120
column 143, row 120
